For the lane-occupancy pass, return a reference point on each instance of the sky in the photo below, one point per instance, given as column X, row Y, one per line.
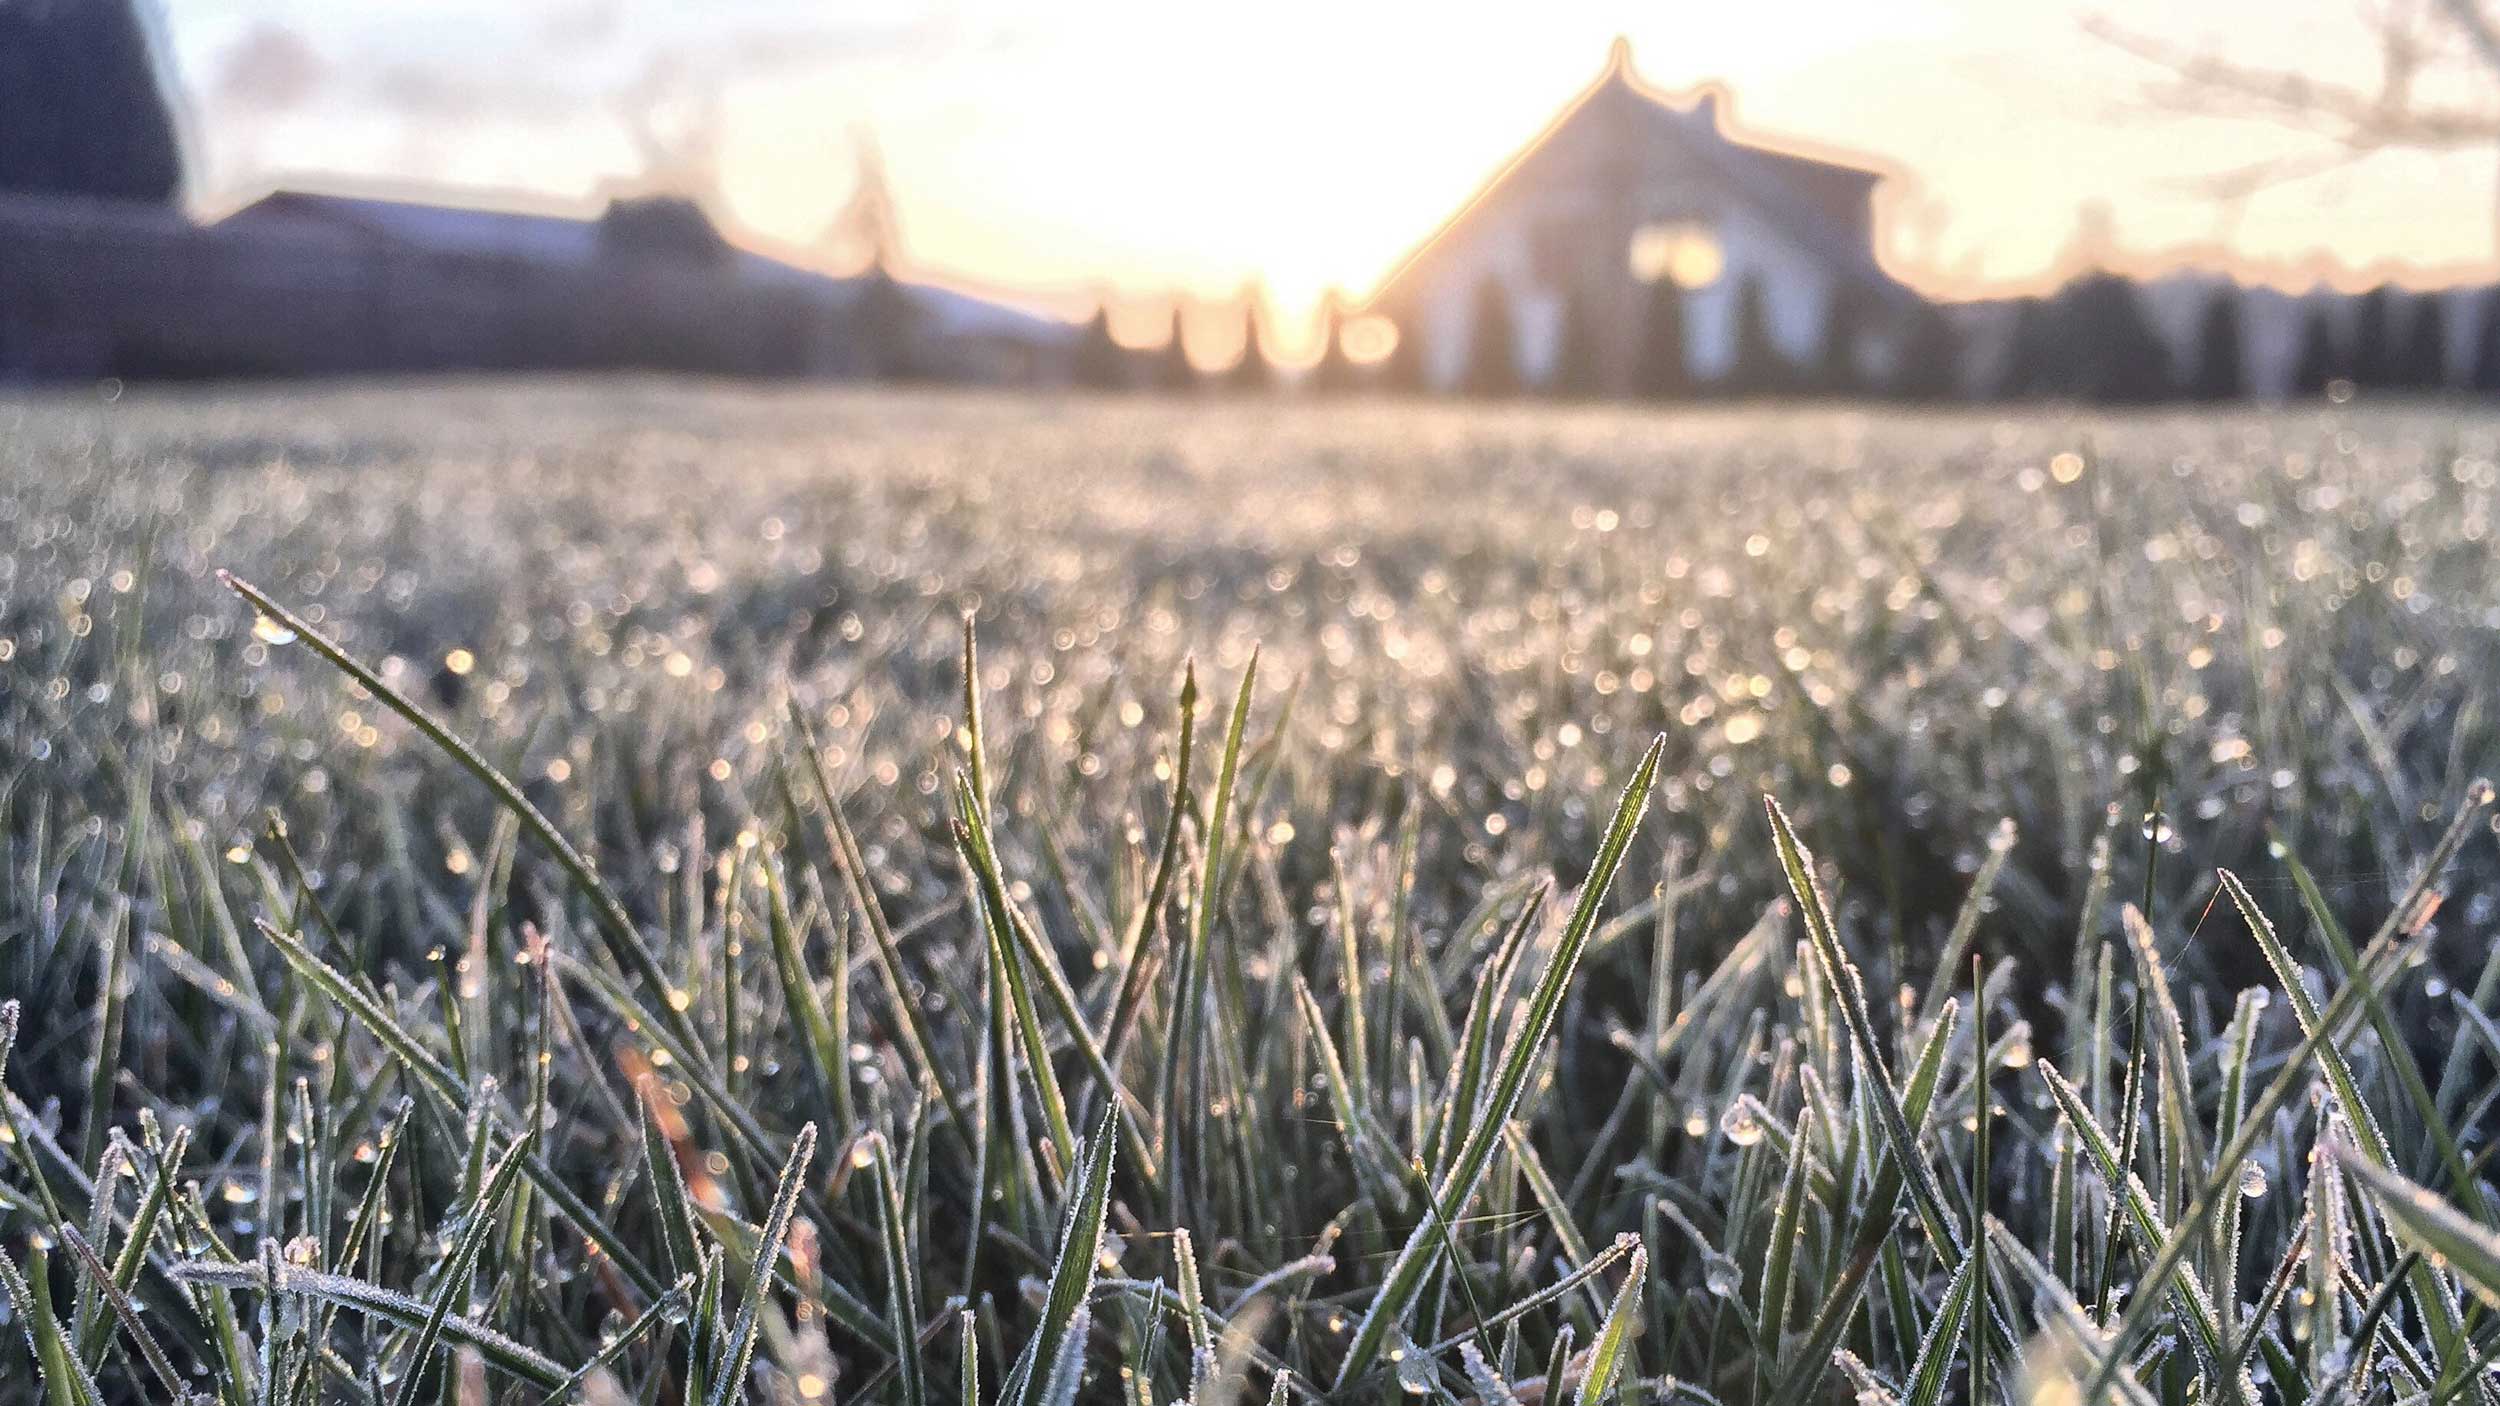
column 1143, row 150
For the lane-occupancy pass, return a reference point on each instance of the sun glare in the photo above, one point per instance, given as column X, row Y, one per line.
column 1368, row 340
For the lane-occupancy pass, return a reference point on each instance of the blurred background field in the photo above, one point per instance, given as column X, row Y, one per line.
column 1910, row 624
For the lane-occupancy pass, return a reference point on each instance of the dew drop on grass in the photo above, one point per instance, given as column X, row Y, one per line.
column 1720, row 1276
column 1414, row 1371
column 2157, row 827
column 2252, row 1178
column 1696, row 1121
column 1741, row 1124
column 268, row 630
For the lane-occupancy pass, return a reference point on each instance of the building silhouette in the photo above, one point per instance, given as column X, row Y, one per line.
column 1629, row 186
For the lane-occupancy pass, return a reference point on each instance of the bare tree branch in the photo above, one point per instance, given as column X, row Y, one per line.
column 2392, row 114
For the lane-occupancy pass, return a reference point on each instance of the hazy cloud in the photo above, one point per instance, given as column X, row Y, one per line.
column 271, row 69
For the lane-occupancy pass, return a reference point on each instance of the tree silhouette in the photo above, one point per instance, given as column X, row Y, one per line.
column 2112, row 355
column 1661, row 370
column 1101, row 362
column 1492, row 345
column 2422, row 365
column 81, row 111
column 1404, row 370
column 1836, row 365
column 1579, row 369
column 887, row 325
column 2484, row 375
column 2373, row 355
column 2216, row 375
column 1757, row 368
column 1251, row 371
column 2321, row 359
column 1173, row 370
column 2026, row 369
column 1335, row 372
column 1927, row 365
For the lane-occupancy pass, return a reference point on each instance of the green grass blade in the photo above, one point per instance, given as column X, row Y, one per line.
column 2430, row 1222
column 740, row 1351
column 1406, row 1273
column 2428, row 1299
column 1933, row 1367
column 901, row 1275
column 666, row 1307
column 1072, row 1272
column 512, row 1358
column 1611, row 1353
column 462, row 1261
column 625, row 944
column 1848, row 991
column 828, row 1064
column 2181, row 1133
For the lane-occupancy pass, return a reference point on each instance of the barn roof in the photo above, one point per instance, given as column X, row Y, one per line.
column 550, row 234
column 539, row 235
column 1803, row 195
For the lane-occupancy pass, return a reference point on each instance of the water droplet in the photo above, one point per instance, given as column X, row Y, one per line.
column 269, row 630
column 1720, row 1276
column 2252, row 1178
column 1741, row 1123
column 2157, row 827
column 1414, row 1369
column 1696, row 1121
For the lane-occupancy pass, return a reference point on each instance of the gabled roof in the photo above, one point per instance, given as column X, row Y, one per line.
column 542, row 235
column 547, row 233
column 1802, row 194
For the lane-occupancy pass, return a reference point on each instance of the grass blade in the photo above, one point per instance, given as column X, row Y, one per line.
column 1612, row 1351
column 740, row 1352
column 1071, row 1274
column 902, row 1285
column 1405, row 1276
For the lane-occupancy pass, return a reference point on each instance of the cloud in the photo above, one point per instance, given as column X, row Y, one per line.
column 271, row 69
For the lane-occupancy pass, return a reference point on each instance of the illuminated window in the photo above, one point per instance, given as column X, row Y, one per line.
column 1679, row 249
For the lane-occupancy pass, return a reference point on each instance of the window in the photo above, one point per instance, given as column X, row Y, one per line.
column 1683, row 250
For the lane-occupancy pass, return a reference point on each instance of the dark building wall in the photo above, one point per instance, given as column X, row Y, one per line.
column 96, row 288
